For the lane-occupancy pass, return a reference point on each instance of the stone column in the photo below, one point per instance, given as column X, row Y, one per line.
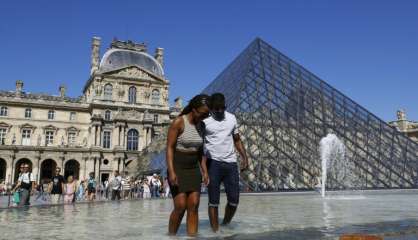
column 124, row 137
column 95, row 135
column 100, row 135
column 38, row 170
column 115, row 165
column 120, row 131
column 98, row 163
column 89, row 166
column 147, row 138
column 94, row 166
column 12, row 177
column 85, row 167
column 9, row 170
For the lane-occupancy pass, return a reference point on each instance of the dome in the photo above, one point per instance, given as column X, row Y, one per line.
column 115, row 59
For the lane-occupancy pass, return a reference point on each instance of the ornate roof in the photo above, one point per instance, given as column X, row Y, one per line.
column 115, row 59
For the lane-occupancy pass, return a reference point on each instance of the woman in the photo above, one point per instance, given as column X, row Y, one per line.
column 69, row 190
column 146, row 189
column 80, row 191
column 184, row 152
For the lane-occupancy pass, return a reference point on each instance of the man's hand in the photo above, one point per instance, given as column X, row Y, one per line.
column 244, row 164
column 206, row 179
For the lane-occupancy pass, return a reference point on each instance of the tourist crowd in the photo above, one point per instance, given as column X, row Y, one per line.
column 58, row 190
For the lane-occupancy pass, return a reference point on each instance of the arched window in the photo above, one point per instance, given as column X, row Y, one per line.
column 108, row 115
column 108, row 92
column 155, row 97
column 132, row 140
column 132, row 95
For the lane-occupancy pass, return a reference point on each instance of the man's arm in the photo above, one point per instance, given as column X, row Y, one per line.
column 62, row 185
column 241, row 150
column 32, row 190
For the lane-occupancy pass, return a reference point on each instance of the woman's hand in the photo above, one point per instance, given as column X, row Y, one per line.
column 172, row 177
column 206, row 179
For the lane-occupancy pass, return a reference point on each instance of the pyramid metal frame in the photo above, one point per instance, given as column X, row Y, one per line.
column 284, row 111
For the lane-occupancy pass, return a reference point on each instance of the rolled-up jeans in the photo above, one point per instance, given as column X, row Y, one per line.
column 24, row 197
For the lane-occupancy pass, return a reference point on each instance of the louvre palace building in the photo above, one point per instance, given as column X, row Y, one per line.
column 123, row 106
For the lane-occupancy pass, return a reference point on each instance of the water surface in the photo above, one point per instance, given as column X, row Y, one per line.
column 392, row 214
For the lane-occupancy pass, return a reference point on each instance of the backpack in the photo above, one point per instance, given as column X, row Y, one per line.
column 91, row 184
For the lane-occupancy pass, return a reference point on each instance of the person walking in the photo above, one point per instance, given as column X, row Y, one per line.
column 80, row 191
column 69, row 190
column 56, row 186
column 106, row 189
column 146, row 189
column 184, row 152
column 116, row 184
column 91, row 187
column 126, row 187
column 221, row 139
column 26, row 185
column 155, row 186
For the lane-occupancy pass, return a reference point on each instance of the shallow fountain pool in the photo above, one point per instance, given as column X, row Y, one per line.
column 392, row 214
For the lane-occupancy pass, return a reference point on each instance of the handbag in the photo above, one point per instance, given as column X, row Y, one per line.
column 16, row 197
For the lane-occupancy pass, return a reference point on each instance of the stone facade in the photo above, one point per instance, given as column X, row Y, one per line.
column 124, row 104
column 405, row 126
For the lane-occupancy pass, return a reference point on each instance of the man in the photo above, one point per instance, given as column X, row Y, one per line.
column 155, row 186
column 126, row 186
column 91, row 187
column 221, row 138
column 116, row 184
column 57, row 186
column 26, row 184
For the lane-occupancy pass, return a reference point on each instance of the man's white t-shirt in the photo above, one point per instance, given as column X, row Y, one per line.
column 155, row 181
column 116, row 183
column 219, row 141
column 24, row 177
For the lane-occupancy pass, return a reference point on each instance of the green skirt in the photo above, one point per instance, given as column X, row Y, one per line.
column 186, row 167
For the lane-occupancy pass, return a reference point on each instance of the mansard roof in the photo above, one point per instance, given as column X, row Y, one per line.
column 40, row 96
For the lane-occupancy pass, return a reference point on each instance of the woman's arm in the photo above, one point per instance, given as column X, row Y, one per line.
column 204, row 169
column 17, row 186
column 173, row 133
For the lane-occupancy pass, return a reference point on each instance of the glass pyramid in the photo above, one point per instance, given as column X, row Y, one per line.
column 284, row 111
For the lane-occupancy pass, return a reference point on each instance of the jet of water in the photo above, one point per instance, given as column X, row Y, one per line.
column 332, row 152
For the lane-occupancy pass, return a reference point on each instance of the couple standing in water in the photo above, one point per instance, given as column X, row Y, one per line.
column 201, row 146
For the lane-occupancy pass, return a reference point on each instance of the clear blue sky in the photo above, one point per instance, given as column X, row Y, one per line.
column 366, row 49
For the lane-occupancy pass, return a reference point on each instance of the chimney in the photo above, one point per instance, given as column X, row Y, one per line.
column 159, row 55
column 402, row 121
column 178, row 103
column 19, row 87
column 95, row 54
column 62, row 89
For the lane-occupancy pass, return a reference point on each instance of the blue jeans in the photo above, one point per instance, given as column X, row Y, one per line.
column 24, row 197
column 228, row 174
column 155, row 192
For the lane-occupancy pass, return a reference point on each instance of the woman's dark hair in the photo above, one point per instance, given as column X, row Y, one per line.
column 196, row 102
